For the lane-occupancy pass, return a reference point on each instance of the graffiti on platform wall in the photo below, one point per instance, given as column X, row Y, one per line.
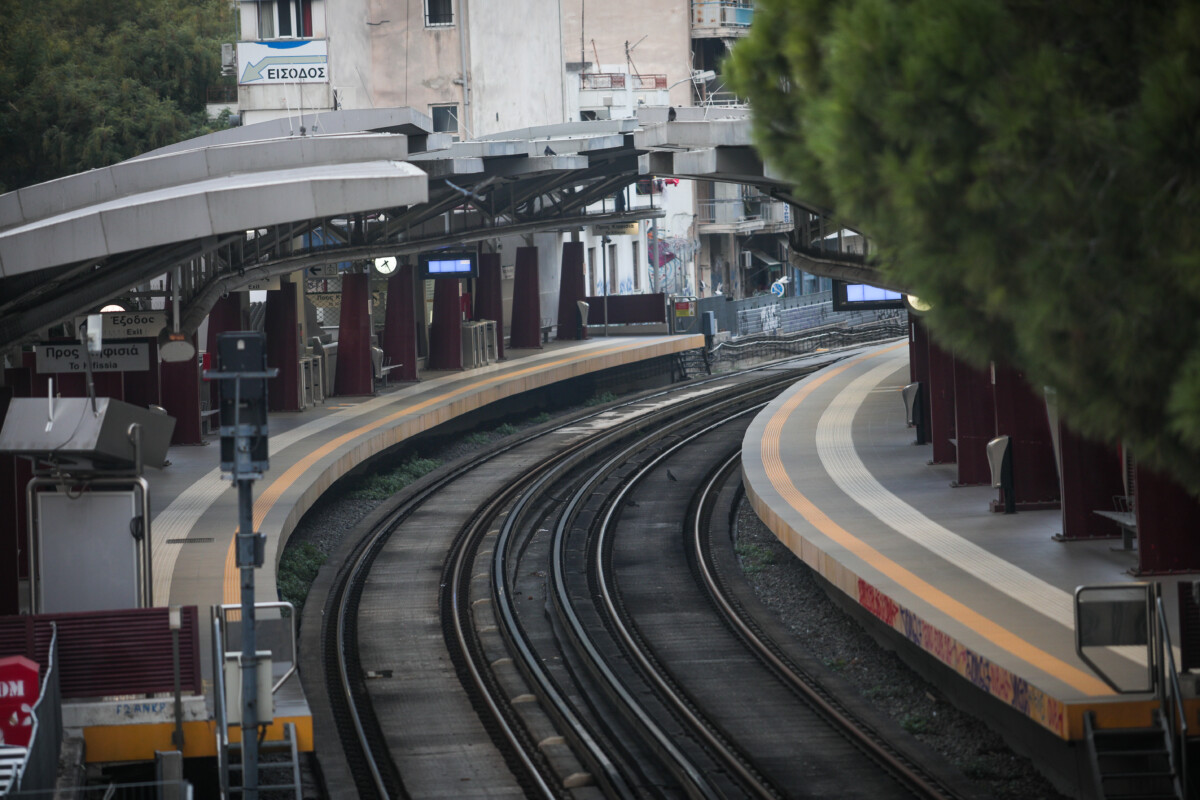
column 668, row 257
column 988, row 676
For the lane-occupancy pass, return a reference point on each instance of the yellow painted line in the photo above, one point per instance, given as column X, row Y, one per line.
column 993, row 632
column 266, row 501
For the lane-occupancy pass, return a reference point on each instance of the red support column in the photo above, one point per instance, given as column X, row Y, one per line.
column 526, row 305
column 181, row 398
column 227, row 314
column 489, row 300
column 941, row 405
column 1021, row 414
column 1091, row 477
column 282, row 324
column 974, row 423
column 354, row 339
column 400, row 324
column 1166, row 525
column 142, row 388
column 445, row 334
column 570, row 291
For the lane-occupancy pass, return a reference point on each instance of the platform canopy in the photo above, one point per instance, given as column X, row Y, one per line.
column 244, row 204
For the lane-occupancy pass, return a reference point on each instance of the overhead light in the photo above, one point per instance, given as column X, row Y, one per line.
column 111, row 307
column 917, row 304
column 385, row 265
column 175, row 346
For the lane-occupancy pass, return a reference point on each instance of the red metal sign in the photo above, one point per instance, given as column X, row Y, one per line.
column 18, row 693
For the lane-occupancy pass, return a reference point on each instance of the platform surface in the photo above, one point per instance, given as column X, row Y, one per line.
column 832, row 468
column 194, row 509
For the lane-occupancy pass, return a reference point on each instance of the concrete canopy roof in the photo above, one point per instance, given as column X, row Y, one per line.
column 368, row 183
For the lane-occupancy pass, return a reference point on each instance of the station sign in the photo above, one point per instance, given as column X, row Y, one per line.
column 114, row 357
column 264, row 285
column 615, row 229
column 129, row 324
column 301, row 61
column 18, row 696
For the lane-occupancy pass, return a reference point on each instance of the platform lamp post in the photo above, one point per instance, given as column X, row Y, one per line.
column 243, row 372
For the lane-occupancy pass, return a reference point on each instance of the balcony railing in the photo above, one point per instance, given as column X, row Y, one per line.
column 649, row 82
column 709, row 14
column 601, row 80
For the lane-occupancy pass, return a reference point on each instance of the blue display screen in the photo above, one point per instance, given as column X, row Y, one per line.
column 455, row 266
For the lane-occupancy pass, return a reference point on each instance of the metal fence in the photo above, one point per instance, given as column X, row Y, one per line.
column 731, row 354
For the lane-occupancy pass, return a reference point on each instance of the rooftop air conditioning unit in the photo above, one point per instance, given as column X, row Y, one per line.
column 746, row 259
column 228, row 59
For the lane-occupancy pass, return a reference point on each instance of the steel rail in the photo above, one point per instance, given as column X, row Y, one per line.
column 766, row 651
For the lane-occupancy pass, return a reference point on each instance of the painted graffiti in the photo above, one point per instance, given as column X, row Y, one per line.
column 990, row 677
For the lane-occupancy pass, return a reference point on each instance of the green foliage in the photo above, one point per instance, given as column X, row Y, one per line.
column 297, row 570
column 754, row 557
column 476, row 439
column 86, row 83
column 381, row 486
column 504, row 429
column 1031, row 169
column 914, row 723
column 540, row 418
column 600, row 399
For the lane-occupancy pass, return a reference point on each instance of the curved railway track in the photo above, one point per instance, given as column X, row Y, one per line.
column 570, row 576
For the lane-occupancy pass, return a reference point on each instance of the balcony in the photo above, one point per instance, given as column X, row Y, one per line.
column 603, row 91
column 721, row 19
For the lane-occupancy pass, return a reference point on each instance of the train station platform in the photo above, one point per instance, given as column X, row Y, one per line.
column 831, row 467
column 194, row 516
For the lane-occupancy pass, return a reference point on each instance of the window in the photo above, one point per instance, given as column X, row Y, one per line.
column 445, row 118
column 593, row 276
column 284, row 19
column 438, row 12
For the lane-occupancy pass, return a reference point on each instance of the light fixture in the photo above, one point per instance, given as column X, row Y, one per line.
column 385, row 265
column 917, row 304
column 111, row 307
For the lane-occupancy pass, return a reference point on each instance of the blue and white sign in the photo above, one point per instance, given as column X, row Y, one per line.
column 777, row 288
column 305, row 61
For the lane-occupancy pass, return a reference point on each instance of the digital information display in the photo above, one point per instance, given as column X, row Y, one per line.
column 461, row 264
column 859, row 296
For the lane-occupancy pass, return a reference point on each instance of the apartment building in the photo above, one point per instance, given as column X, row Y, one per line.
column 479, row 67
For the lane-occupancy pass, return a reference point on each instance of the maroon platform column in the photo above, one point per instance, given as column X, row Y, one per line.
column 489, row 300
column 354, row 339
column 526, row 305
column 570, row 292
column 181, row 398
column 445, row 333
column 1021, row 414
column 1091, row 478
column 974, row 423
column 142, row 388
column 400, row 324
column 941, row 404
column 1166, row 525
column 227, row 314
column 282, row 325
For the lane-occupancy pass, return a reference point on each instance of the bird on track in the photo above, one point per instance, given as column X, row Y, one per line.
column 671, row 476
column 548, row 151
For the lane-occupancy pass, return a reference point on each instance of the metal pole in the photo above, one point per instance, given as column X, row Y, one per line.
column 604, row 261
column 245, row 561
column 175, row 622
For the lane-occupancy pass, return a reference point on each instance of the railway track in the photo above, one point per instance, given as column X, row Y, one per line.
column 570, row 576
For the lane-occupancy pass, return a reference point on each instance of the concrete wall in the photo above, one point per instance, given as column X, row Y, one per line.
column 666, row 50
column 411, row 64
column 516, row 65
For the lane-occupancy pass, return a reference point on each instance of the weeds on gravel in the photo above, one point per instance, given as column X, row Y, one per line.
column 755, row 558
column 383, row 485
column 914, row 723
column 600, row 399
column 297, row 570
column 476, row 439
column 504, row 429
column 540, row 418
